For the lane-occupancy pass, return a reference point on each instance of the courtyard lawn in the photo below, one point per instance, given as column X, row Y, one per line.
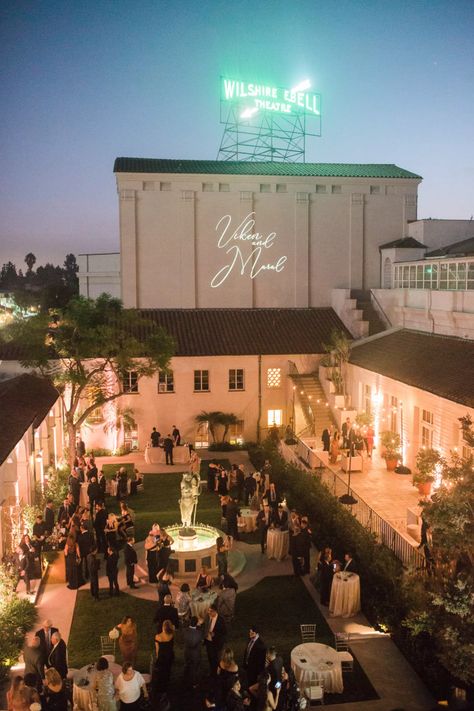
column 278, row 605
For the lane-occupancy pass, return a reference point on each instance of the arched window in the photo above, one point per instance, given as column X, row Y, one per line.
column 387, row 273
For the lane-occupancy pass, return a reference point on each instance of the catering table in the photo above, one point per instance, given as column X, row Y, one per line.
column 200, row 602
column 278, row 543
column 112, row 486
column 156, row 455
column 247, row 520
column 321, row 660
column 345, row 595
column 83, row 698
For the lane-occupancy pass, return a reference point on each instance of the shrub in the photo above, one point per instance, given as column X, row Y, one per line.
column 99, row 452
column 16, row 617
column 225, row 447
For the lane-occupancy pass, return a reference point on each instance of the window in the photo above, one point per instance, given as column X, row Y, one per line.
column 207, row 187
column 224, row 187
column 375, row 189
column 281, row 187
column 265, row 188
column 130, row 381
column 201, row 380
column 148, row 185
column 236, row 379
column 236, row 432
column 427, row 420
column 320, row 189
column 336, row 189
column 273, row 377
column 165, row 382
column 202, row 436
column 367, row 399
column 393, row 414
column 274, row 417
column 130, row 438
column 165, row 186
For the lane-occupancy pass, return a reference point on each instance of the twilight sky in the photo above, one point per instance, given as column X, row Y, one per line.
column 84, row 82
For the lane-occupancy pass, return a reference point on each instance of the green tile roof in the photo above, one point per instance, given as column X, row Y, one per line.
column 323, row 170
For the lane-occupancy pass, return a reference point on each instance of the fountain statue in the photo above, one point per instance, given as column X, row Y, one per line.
column 190, row 490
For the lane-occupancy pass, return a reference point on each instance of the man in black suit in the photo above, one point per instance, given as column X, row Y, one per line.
column 48, row 516
column 75, row 487
column 349, row 564
column 254, row 656
column 66, row 510
column 250, row 487
column 176, row 434
column 272, row 497
column 155, row 438
column 102, row 482
column 93, row 565
column 131, row 560
column 280, row 518
column 192, row 638
column 231, row 515
column 326, row 439
column 263, row 522
column 95, row 494
column 58, row 655
column 99, row 526
column 214, row 637
column 167, row 611
column 85, row 541
column 45, row 634
column 305, row 544
column 274, row 666
column 168, row 446
column 111, row 569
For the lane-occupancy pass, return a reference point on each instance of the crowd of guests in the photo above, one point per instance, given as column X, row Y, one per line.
column 168, row 443
column 351, row 438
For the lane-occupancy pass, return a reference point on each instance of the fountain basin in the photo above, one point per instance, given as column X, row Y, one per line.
column 192, row 549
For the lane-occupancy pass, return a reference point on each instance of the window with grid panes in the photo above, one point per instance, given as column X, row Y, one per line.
column 201, row 380
column 165, row 382
column 236, row 378
column 427, row 422
column 273, row 377
column 130, row 381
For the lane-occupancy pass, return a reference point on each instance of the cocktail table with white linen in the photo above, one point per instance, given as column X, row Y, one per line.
column 321, row 660
column 247, row 520
column 83, row 697
column 200, row 602
column 278, row 543
column 345, row 595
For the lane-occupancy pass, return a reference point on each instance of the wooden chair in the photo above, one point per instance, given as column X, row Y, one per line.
column 308, row 633
column 347, row 661
column 107, row 645
column 314, row 690
column 341, row 640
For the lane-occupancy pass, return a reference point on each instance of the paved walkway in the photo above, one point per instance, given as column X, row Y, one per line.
column 390, row 674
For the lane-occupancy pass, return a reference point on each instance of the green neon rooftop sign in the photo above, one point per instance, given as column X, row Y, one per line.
column 253, row 98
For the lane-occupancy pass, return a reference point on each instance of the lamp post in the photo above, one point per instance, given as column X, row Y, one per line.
column 347, row 499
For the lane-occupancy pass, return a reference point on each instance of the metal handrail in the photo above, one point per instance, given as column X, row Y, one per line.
column 380, row 309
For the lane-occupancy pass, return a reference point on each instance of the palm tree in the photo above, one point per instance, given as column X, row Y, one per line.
column 30, row 260
column 339, row 349
column 212, row 419
column 227, row 419
column 123, row 420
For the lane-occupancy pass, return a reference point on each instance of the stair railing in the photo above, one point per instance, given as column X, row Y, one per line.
column 379, row 309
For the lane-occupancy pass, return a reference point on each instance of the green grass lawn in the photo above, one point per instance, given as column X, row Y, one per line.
column 110, row 470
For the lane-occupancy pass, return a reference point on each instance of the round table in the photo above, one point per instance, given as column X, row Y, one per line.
column 321, row 660
column 345, row 595
column 113, row 484
column 200, row 602
column 278, row 543
column 247, row 520
column 83, row 698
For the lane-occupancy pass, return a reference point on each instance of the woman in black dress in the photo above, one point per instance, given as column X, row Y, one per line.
column 72, row 556
column 222, row 483
column 54, row 694
column 221, row 556
column 164, row 643
column 165, row 550
column 326, row 572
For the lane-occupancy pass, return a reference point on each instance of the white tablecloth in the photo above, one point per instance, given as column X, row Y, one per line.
column 113, row 483
column 278, row 543
column 248, row 520
column 156, row 455
column 200, row 603
column 345, row 595
column 82, row 697
column 320, row 659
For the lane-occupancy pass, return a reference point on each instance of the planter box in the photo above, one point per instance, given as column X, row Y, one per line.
column 356, row 463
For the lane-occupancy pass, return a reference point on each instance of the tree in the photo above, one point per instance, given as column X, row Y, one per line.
column 30, row 260
column 8, row 276
column 339, row 349
column 86, row 348
column 71, row 268
column 212, row 418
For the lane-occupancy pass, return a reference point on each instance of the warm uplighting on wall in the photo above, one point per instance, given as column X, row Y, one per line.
column 376, row 400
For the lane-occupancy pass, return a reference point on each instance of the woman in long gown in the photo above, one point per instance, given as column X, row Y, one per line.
column 227, row 672
column 221, row 556
column 326, row 572
column 334, row 451
column 104, row 686
column 72, row 556
column 164, row 643
column 128, row 640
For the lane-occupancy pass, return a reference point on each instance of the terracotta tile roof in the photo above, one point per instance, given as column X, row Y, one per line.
column 403, row 243
column 441, row 365
column 323, row 170
column 247, row 331
column 24, row 401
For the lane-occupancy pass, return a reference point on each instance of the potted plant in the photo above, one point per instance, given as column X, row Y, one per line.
column 426, row 462
column 391, row 449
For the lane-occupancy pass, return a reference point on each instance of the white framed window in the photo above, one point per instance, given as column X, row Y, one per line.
column 273, row 377
column 427, row 427
column 201, row 439
column 236, row 432
column 236, row 379
column 130, row 381
column 130, row 438
column 274, row 417
column 165, row 381
column 201, row 381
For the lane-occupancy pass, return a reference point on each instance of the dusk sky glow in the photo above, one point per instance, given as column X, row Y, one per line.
column 85, row 82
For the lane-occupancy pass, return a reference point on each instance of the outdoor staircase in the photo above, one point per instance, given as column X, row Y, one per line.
column 369, row 314
column 312, row 400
